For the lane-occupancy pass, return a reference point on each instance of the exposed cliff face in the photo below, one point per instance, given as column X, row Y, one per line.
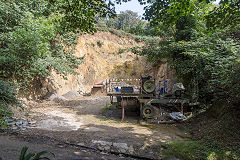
column 106, row 56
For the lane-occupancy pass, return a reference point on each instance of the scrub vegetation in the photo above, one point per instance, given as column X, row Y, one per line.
column 198, row 39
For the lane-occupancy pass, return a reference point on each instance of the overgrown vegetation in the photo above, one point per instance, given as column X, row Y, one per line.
column 127, row 21
column 200, row 41
column 7, row 97
column 189, row 150
column 207, row 61
column 107, row 108
column 38, row 36
column 30, row 45
column 100, row 43
column 204, row 50
column 33, row 156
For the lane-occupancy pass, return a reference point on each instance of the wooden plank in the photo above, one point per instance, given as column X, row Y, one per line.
column 129, row 94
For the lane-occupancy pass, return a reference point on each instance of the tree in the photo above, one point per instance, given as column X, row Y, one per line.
column 128, row 21
column 206, row 62
column 227, row 14
column 32, row 34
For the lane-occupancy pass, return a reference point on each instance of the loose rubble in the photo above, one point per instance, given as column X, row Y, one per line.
column 72, row 95
column 120, row 147
column 53, row 96
column 20, row 124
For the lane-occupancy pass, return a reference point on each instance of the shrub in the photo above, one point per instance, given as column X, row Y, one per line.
column 208, row 67
column 7, row 97
column 34, row 156
column 198, row 150
column 100, row 43
column 120, row 51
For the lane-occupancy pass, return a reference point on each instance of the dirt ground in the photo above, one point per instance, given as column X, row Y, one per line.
column 77, row 129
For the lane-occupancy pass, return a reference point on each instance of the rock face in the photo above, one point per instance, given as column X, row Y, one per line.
column 106, row 56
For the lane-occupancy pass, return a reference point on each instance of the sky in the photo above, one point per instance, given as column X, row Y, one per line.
column 134, row 6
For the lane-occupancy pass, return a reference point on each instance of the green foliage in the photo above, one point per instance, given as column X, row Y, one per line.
column 198, row 150
column 38, row 36
column 74, row 15
column 7, row 97
column 100, row 43
column 147, row 39
column 79, row 15
column 120, row 51
column 107, row 108
column 127, row 21
column 208, row 66
column 30, row 45
column 227, row 14
column 206, row 62
column 185, row 26
column 169, row 12
column 33, row 156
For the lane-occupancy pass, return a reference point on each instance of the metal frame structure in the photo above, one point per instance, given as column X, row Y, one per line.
column 142, row 97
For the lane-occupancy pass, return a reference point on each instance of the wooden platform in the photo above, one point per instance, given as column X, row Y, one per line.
column 129, row 94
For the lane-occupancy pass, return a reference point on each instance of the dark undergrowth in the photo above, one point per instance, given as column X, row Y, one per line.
column 215, row 136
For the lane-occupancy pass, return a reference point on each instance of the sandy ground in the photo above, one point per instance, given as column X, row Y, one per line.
column 77, row 129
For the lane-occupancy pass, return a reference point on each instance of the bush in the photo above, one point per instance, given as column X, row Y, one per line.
column 7, row 97
column 31, row 45
column 208, row 67
column 100, row 43
column 34, row 156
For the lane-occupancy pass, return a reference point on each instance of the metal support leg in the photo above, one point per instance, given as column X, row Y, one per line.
column 122, row 109
column 111, row 99
column 141, row 109
column 182, row 111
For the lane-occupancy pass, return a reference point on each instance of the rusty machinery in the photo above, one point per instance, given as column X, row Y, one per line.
column 155, row 99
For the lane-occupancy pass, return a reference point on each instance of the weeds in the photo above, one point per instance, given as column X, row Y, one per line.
column 137, row 58
column 7, row 97
column 92, row 44
column 100, row 43
column 120, row 51
column 106, row 108
column 33, row 156
column 189, row 150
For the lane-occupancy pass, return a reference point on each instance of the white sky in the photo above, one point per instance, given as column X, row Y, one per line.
column 216, row 2
column 134, row 6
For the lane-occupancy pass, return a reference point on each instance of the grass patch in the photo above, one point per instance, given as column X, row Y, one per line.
column 120, row 51
column 107, row 107
column 189, row 150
